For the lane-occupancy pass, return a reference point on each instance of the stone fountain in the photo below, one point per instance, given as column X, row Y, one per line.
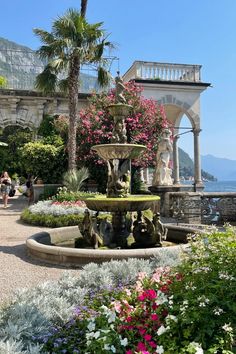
column 147, row 234
column 118, row 200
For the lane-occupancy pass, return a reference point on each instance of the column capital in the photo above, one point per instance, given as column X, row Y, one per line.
column 197, row 131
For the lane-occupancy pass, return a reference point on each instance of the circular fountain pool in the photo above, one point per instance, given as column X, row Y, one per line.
column 45, row 246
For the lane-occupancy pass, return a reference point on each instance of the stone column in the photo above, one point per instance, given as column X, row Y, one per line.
column 176, row 160
column 197, row 161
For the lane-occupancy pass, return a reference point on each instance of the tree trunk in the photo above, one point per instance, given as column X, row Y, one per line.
column 74, row 71
column 83, row 8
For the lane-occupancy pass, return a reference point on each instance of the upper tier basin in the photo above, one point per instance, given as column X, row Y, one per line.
column 118, row 151
column 131, row 203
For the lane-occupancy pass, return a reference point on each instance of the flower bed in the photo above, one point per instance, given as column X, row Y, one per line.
column 133, row 307
column 54, row 214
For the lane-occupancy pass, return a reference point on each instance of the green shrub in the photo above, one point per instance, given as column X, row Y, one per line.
column 50, row 220
column 45, row 161
column 204, row 297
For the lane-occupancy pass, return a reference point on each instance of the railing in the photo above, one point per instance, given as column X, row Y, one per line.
column 163, row 71
column 204, row 208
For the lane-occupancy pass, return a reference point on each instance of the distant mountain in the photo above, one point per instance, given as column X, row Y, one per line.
column 224, row 169
column 20, row 65
column 186, row 167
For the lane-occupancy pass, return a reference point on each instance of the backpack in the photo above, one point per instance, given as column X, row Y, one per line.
column 12, row 192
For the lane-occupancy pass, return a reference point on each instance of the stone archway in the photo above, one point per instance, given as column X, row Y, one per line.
column 175, row 109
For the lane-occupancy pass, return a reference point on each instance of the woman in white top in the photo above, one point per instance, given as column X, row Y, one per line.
column 5, row 181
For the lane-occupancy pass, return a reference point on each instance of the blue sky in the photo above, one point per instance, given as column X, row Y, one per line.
column 178, row 31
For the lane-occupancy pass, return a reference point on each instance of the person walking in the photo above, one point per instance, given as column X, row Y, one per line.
column 5, row 181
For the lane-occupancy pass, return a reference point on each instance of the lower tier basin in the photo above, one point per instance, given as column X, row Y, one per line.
column 43, row 246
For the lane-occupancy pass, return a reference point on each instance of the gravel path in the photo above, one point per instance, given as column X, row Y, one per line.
column 17, row 269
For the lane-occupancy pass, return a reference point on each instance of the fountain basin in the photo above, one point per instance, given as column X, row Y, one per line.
column 131, row 203
column 120, row 109
column 118, row 151
column 43, row 246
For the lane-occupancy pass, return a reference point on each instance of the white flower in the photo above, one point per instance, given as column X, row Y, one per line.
column 96, row 334
column 107, row 347
column 161, row 298
column 124, row 342
column 162, row 330
column 159, row 349
column 113, row 349
column 91, row 326
column 111, row 317
column 171, row 318
column 227, row 327
column 197, row 347
column 225, row 275
column 203, row 301
column 217, row 311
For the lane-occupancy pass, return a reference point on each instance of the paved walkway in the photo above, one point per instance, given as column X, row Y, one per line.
column 17, row 269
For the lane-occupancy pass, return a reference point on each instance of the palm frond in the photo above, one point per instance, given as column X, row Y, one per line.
column 74, row 179
column 46, row 81
column 63, row 85
column 104, row 77
column 45, row 37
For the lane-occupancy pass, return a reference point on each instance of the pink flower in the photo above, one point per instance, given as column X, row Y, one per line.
column 147, row 337
column 129, row 352
column 154, row 317
column 152, row 344
column 141, row 346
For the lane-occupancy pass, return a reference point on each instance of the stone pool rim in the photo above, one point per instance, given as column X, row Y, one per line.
column 75, row 257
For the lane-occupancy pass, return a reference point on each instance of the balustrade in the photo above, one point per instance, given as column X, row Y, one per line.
column 163, row 71
column 207, row 207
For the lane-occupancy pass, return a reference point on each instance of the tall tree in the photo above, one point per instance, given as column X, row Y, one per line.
column 71, row 43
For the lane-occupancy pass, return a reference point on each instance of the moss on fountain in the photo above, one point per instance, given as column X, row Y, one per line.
column 130, row 203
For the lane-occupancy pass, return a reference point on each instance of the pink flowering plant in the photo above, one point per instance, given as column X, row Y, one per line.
column 95, row 125
column 188, row 309
column 143, row 125
column 125, row 319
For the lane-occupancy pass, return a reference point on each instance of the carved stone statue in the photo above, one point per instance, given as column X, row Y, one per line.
column 119, row 131
column 106, row 231
column 162, row 173
column 89, row 231
column 118, row 184
column 149, row 233
column 160, row 229
column 119, row 89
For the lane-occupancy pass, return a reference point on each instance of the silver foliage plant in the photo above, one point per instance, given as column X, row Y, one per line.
column 47, row 207
column 36, row 311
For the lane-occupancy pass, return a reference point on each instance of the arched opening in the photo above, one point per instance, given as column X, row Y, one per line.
column 186, row 150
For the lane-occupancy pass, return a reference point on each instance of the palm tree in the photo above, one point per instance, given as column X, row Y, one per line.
column 71, row 43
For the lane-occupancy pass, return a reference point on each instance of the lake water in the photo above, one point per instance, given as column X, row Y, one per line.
column 220, row 186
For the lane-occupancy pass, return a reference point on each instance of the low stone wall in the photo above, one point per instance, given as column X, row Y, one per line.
column 46, row 190
column 200, row 207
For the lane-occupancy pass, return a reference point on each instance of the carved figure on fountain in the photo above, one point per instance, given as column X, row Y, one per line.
column 89, row 231
column 119, row 131
column 120, row 88
column 149, row 233
column 160, row 229
column 118, row 184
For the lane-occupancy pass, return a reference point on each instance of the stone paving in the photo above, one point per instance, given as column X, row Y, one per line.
column 17, row 269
